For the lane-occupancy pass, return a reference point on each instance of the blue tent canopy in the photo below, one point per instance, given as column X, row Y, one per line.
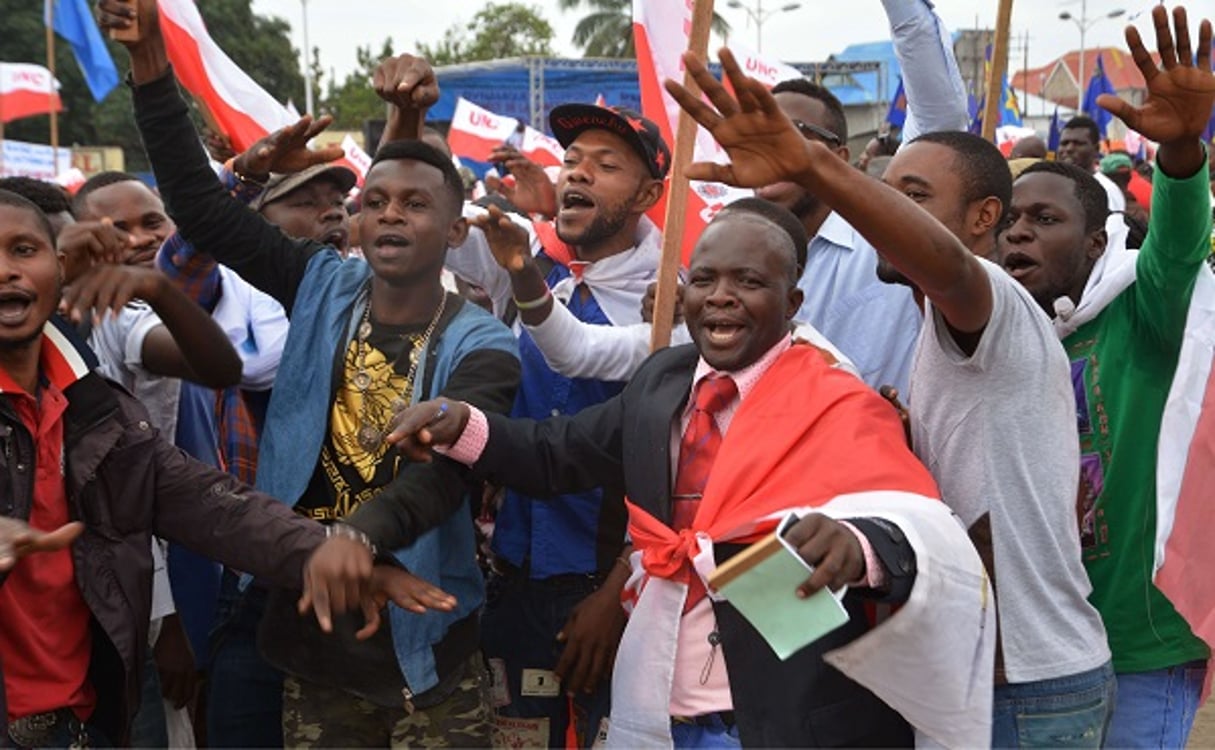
column 527, row 88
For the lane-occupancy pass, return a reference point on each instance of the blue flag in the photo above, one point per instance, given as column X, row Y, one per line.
column 898, row 107
column 74, row 22
column 1010, row 112
column 1098, row 84
column 1056, row 129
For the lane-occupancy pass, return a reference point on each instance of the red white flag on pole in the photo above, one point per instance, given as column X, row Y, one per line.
column 243, row 110
column 475, row 132
column 27, row 90
column 766, row 70
column 660, row 30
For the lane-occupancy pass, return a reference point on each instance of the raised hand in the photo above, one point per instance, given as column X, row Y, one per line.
column 1181, row 93
column 532, row 192
column 507, row 240
column 406, row 81
column 88, row 242
column 138, row 15
column 762, row 142
column 106, row 287
column 18, row 540
column 286, row 150
column 415, row 429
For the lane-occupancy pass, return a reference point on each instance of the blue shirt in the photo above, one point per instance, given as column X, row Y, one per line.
column 558, row 535
column 873, row 323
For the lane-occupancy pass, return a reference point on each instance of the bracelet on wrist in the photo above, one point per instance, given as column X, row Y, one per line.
column 534, row 304
column 346, row 531
column 245, row 179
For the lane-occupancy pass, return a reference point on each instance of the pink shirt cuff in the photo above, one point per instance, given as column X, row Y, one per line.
column 875, row 574
column 472, row 441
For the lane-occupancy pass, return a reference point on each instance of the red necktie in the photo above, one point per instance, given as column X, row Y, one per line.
column 697, row 451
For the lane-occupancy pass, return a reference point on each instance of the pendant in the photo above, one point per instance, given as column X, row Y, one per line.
column 398, row 405
column 361, row 380
column 369, row 438
column 364, row 330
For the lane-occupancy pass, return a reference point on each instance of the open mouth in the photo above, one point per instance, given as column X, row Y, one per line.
column 14, row 307
column 338, row 238
column 575, row 200
column 391, row 240
column 1019, row 265
column 723, row 333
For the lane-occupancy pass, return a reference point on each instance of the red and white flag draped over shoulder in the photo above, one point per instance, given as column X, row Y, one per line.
column 660, row 31
column 810, row 438
column 27, row 90
column 475, row 132
column 244, row 111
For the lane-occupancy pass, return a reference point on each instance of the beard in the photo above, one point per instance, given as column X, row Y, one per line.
column 605, row 225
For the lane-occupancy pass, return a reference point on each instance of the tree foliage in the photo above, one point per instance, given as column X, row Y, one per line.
column 607, row 29
column 260, row 45
column 353, row 101
column 497, row 31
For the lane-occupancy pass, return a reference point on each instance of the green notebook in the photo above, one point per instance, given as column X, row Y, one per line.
column 761, row 582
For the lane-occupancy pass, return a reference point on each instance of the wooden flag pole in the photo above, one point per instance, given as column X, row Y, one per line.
column 50, row 65
column 677, row 189
column 995, row 75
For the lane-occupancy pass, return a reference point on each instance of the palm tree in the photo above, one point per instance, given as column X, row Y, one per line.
column 607, row 31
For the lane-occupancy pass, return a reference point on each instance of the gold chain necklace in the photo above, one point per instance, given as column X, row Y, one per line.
column 371, row 435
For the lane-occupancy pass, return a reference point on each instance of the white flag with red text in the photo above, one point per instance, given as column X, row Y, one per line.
column 475, row 132
column 27, row 90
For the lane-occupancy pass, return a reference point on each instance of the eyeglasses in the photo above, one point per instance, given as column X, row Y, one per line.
column 814, row 132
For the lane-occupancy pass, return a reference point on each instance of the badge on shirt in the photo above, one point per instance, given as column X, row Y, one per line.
column 540, row 683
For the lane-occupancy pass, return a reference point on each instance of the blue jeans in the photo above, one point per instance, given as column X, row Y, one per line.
column 1072, row 711
column 245, row 698
column 708, row 732
column 519, row 632
column 1156, row 709
column 149, row 727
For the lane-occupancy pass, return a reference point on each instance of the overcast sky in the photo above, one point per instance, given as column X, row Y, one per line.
column 810, row 33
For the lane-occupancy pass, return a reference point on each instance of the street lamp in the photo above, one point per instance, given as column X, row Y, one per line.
column 1084, row 23
column 759, row 15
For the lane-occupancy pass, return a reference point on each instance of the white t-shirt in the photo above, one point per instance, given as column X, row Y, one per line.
column 997, row 429
column 118, row 342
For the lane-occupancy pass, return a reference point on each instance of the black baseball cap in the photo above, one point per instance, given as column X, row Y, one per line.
column 568, row 121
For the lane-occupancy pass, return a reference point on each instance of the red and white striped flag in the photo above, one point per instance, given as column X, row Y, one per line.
column 27, row 90
column 244, row 111
column 660, row 30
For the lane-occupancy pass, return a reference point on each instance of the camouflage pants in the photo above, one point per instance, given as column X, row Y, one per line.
column 321, row 716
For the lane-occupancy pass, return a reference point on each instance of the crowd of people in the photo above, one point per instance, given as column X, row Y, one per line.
column 280, row 473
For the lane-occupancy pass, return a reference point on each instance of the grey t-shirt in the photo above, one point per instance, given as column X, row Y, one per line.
column 997, row 430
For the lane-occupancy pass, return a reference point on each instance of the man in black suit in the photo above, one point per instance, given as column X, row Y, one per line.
column 781, row 430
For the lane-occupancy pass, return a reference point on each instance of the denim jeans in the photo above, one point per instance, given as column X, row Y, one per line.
column 245, row 698
column 149, row 728
column 1072, row 711
column 1156, row 709
column 519, row 632
column 709, row 732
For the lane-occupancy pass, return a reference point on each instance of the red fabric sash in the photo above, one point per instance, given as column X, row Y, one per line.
column 805, row 434
column 554, row 248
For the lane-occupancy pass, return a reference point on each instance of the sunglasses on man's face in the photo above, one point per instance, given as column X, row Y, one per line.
column 815, row 133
